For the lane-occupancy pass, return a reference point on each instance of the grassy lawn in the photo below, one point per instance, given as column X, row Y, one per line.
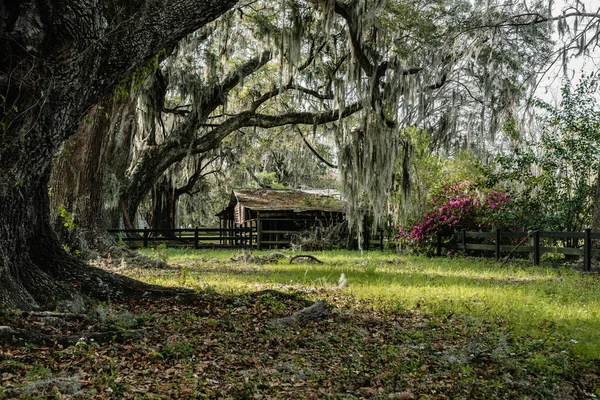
column 400, row 327
column 531, row 300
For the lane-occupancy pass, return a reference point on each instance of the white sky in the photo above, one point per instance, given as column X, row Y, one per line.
column 549, row 89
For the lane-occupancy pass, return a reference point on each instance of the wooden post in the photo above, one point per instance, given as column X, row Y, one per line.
column 258, row 231
column 146, row 236
column 497, row 244
column 438, row 251
column 249, row 233
column 196, row 238
column 381, row 239
column 464, row 241
column 587, row 250
column 220, row 230
column 536, row 247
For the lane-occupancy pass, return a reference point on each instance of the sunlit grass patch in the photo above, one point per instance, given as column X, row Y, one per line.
column 540, row 301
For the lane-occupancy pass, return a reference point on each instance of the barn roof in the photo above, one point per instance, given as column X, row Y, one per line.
column 296, row 200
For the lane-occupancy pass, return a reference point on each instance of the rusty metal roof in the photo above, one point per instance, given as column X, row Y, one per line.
column 296, row 200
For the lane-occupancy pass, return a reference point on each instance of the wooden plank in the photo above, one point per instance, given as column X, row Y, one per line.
column 503, row 248
column 519, row 235
column 475, row 246
column 562, row 235
column 181, row 232
column 478, row 234
column 515, row 249
column 525, row 249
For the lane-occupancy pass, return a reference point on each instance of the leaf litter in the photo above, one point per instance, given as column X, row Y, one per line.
column 223, row 347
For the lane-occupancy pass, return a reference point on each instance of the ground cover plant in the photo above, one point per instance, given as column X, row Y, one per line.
column 397, row 327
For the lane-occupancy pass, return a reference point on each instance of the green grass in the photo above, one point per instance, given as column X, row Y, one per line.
column 547, row 303
column 403, row 327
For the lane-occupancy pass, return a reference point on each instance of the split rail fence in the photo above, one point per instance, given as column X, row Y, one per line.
column 225, row 238
column 233, row 238
column 536, row 243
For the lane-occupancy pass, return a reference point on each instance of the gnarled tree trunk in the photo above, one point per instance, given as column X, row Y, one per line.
column 164, row 207
column 87, row 175
column 58, row 59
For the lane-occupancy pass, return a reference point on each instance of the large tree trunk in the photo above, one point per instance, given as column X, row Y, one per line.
column 77, row 182
column 58, row 58
column 164, row 203
column 87, row 176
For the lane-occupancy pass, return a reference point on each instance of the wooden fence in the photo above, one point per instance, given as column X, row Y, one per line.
column 197, row 237
column 573, row 243
column 232, row 238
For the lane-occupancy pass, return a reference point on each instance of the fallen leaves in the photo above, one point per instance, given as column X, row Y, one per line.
column 223, row 347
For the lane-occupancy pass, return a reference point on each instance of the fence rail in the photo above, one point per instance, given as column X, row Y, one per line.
column 197, row 237
column 529, row 242
column 243, row 237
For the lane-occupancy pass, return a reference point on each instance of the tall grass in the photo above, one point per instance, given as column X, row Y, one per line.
column 542, row 301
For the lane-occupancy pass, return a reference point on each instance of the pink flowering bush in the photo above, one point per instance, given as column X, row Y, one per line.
column 457, row 207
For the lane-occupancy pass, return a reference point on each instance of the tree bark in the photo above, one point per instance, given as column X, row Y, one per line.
column 87, row 175
column 78, row 181
column 58, row 59
column 164, row 203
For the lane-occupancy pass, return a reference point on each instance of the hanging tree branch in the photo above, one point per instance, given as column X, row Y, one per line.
column 315, row 152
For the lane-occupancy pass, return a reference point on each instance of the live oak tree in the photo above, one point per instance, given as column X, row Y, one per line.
column 58, row 59
column 408, row 66
column 292, row 57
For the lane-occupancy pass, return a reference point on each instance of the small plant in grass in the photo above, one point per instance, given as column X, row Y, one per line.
column 161, row 253
column 273, row 303
column 177, row 350
column 38, row 371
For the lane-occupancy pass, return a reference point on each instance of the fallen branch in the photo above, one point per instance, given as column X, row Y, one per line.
column 306, row 256
column 318, row 310
column 517, row 246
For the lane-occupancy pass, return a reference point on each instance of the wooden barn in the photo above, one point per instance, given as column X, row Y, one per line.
column 277, row 215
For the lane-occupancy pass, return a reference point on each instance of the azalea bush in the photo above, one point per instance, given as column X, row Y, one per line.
column 457, row 207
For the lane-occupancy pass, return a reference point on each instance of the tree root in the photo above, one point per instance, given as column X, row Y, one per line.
column 318, row 310
column 306, row 256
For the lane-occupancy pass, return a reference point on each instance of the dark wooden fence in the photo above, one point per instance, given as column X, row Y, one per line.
column 232, row 238
column 197, row 237
column 535, row 243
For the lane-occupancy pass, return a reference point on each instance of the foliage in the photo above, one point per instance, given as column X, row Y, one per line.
column 553, row 179
column 457, row 207
column 421, row 171
column 320, row 237
column 67, row 217
column 421, row 65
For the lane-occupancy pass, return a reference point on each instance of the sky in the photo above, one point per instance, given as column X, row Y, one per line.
column 549, row 88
